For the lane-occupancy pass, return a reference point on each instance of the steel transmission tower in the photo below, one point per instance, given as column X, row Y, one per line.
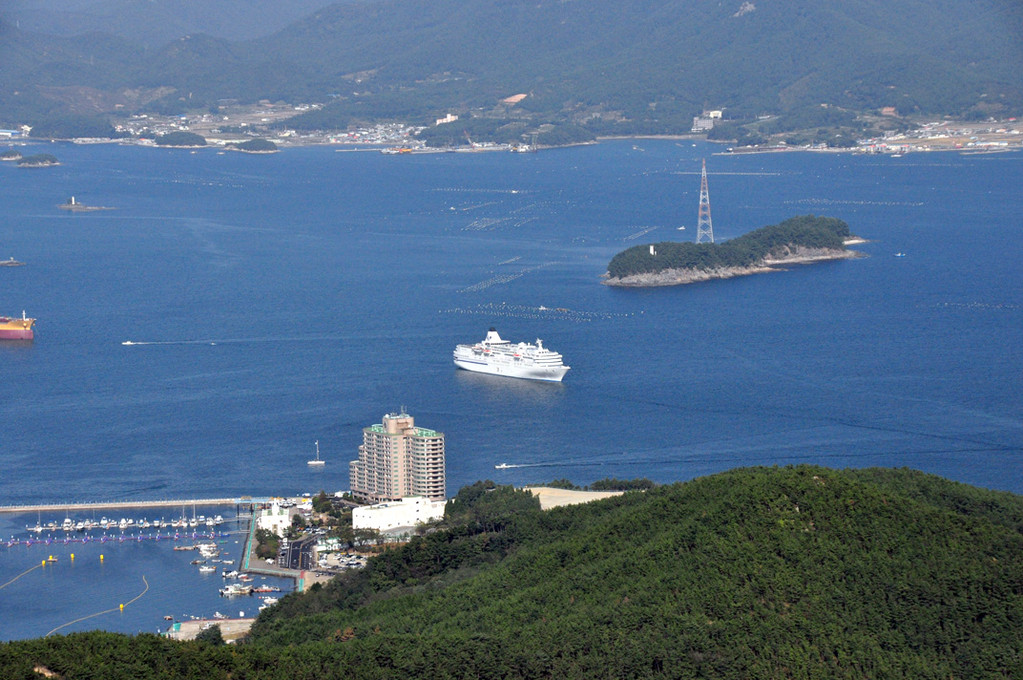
column 704, row 228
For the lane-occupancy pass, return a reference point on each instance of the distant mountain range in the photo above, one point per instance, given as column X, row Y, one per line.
column 157, row 22
column 632, row 67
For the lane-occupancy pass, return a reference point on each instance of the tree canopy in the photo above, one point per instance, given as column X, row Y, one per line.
column 181, row 138
column 256, row 146
column 762, row 572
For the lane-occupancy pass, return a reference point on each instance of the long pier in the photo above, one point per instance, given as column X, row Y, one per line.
column 115, row 505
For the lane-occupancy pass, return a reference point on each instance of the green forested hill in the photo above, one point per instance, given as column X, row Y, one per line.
column 750, row 249
column 156, row 22
column 642, row 66
column 755, row 573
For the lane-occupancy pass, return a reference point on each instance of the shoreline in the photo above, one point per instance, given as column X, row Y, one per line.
column 983, row 143
column 680, row 277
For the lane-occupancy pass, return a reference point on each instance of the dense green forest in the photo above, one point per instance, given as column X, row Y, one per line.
column 70, row 126
column 645, row 69
column 794, row 572
column 180, row 138
column 744, row 251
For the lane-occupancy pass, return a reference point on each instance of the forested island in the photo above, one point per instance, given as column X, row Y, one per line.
column 181, row 138
column 254, row 146
column 794, row 572
column 39, row 160
column 801, row 239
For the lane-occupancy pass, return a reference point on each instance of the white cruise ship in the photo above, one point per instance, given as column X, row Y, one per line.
column 500, row 357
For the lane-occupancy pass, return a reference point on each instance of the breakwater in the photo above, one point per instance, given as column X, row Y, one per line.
column 117, row 505
column 119, row 538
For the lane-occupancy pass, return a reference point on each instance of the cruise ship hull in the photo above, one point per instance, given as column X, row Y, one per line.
column 551, row 374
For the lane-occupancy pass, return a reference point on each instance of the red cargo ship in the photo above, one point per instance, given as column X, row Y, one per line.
column 16, row 329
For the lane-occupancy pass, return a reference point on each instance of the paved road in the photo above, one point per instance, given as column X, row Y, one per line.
column 298, row 554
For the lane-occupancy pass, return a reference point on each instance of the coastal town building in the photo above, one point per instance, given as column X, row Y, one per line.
column 404, row 514
column 275, row 519
column 397, row 460
column 702, row 124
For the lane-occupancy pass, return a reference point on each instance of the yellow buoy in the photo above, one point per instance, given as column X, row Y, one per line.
column 44, row 563
column 122, row 607
column 72, row 556
column 101, row 558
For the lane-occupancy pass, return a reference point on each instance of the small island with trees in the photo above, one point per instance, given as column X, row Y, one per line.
column 39, row 160
column 254, row 146
column 797, row 240
column 181, row 138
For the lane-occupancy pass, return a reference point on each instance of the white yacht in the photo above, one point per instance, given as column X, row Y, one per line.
column 500, row 357
column 316, row 462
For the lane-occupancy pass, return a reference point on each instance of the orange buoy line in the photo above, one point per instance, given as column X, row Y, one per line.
column 105, row 611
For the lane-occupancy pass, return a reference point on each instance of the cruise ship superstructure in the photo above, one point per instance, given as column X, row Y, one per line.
column 500, row 357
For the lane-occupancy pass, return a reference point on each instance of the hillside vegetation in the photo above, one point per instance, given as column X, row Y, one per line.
column 755, row 573
column 157, row 22
column 748, row 250
column 617, row 69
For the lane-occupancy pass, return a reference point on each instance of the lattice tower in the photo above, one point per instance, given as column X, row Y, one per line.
column 704, row 228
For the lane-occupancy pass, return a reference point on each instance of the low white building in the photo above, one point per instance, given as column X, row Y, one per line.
column 406, row 513
column 276, row 519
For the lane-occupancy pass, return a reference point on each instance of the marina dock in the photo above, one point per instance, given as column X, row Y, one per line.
column 117, row 505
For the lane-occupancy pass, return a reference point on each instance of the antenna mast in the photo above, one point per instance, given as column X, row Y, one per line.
column 704, row 228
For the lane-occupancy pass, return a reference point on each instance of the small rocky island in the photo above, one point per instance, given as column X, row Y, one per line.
column 797, row 240
column 39, row 160
column 188, row 140
column 72, row 205
column 254, row 146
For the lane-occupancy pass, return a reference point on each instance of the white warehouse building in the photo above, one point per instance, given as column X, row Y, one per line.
column 403, row 514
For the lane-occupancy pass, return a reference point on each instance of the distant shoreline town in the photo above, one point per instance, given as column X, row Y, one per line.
column 230, row 129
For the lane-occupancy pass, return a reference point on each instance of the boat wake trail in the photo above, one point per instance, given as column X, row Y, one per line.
column 228, row 341
column 131, row 343
column 509, row 466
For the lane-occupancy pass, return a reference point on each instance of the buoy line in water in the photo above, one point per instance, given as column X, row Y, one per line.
column 105, row 611
column 38, row 566
column 502, row 309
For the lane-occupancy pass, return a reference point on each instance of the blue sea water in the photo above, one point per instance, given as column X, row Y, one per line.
column 283, row 299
